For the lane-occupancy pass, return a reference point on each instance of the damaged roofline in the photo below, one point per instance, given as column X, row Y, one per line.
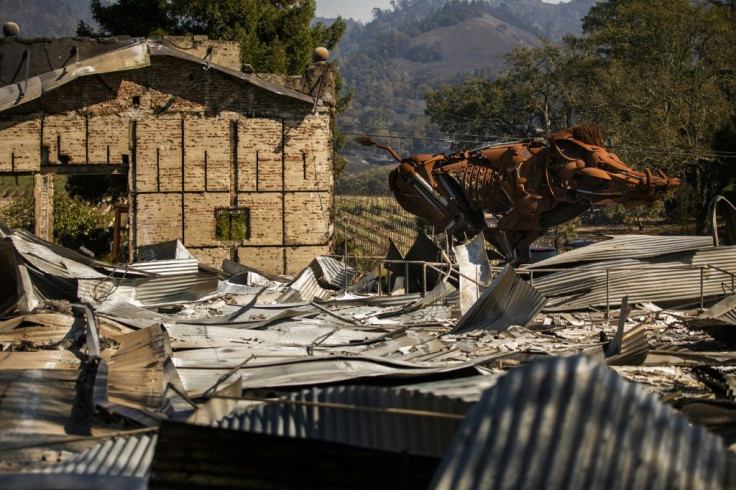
column 137, row 55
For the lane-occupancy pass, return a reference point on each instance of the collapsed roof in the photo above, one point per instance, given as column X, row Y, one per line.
column 110, row 369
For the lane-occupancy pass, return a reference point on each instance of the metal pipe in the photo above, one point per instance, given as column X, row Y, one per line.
column 380, row 277
column 345, row 241
column 608, row 294
column 424, row 280
column 702, row 295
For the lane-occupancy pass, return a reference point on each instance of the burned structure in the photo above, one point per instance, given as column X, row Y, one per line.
column 235, row 165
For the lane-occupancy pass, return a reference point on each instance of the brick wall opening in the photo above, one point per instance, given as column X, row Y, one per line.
column 232, row 224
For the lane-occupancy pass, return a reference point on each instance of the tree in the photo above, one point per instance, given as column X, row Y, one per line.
column 534, row 95
column 664, row 75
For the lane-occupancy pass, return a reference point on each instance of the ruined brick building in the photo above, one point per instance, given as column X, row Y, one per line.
column 236, row 165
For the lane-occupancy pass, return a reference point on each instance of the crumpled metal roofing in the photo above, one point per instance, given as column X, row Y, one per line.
column 332, row 273
column 128, row 456
column 171, row 250
column 674, row 278
column 719, row 320
column 304, row 288
column 317, row 370
column 507, row 301
column 128, row 57
column 572, row 423
column 170, row 267
column 391, row 419
column 45, row 271
column 628, row 246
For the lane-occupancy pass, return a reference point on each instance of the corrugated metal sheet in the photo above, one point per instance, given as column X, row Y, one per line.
column 304, row 289
column 634, row 348
column 719, row 320
column 232, row 268
column 126, row 58
column 122, row 456
column 572, row 423
column 670, row 279
column 176, row 289
column 332, row 273
column 44, row 359
column 469, row 389
column 54, row 250
column 626, row 246
column 507, row 301
column 303, row 333
column 472, row 261
column 360, row 416
column 318, row 370
column 627, row 347
column 171, row 250
column 172, row 267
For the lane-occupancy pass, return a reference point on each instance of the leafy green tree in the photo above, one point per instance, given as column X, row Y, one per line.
column 664, row 75
column 534, row 95
column 19, row 212
column 76, row 222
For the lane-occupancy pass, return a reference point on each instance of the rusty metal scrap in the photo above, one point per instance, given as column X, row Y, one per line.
column 515, row 192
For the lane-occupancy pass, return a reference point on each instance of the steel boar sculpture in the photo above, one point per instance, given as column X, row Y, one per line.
column 514, row 192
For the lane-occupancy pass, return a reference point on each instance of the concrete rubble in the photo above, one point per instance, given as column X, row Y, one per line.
column 115, row 376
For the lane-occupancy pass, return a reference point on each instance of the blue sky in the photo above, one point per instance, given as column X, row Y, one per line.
column 359, row 9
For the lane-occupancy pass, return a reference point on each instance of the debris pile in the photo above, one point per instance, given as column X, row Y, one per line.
column 580, row 371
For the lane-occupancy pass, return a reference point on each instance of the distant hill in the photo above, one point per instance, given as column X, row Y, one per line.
column 46, row 18
column 471, row 44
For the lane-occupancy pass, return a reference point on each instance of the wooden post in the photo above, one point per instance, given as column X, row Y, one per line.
column 43, row 206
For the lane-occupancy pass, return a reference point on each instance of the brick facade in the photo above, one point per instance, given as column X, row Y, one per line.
column 194, row 140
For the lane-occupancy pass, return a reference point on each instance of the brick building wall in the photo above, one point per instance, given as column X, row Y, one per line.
column 199, row 144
